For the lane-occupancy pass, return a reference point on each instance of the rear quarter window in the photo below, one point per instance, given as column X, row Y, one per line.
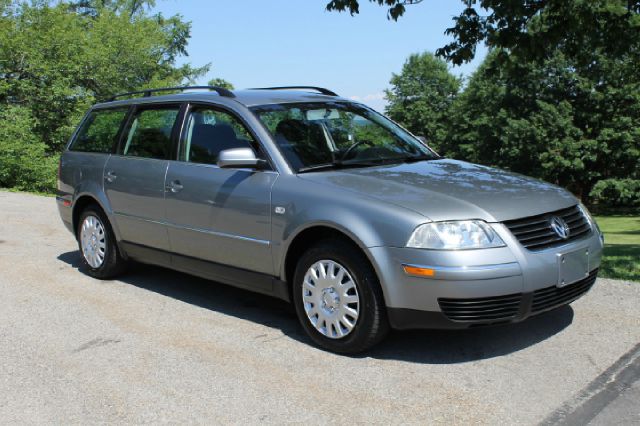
column 99, row 131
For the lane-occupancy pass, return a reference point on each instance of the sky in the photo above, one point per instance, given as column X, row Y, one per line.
column 257, row 43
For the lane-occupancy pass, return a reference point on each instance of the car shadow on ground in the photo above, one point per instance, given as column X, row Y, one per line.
column 419, row 346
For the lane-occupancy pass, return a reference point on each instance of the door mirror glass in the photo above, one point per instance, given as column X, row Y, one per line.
column 239, row 158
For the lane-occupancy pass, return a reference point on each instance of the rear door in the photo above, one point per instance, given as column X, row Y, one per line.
column 134, row 177
column 219, row 215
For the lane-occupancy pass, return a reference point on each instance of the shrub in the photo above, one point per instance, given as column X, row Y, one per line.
column 24, row 162
column 617, row 192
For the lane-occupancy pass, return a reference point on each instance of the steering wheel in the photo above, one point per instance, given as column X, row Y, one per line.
column 354, row 146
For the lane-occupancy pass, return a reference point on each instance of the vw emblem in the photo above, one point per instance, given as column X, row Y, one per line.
column 560, row 227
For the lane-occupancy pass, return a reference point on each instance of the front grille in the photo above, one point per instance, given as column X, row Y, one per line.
column 535, row 232
column 552, row 297
column 493, row 309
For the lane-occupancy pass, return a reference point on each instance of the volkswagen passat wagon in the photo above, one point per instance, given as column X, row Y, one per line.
column 318, row 200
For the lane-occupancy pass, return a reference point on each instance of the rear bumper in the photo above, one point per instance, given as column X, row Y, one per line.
column 473, row 312
column 65, row 211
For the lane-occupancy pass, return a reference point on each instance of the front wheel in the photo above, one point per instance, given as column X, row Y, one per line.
column 338, row 298
column 97, row 245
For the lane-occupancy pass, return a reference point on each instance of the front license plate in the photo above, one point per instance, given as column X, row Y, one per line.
column 572, row 266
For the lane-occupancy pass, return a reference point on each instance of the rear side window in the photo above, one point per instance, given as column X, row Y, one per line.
column 99, row 131
column 149, row 135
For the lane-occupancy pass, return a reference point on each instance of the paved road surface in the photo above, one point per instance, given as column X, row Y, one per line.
column 160, row 346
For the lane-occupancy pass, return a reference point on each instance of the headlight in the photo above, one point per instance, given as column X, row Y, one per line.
column 587, row 215
column 458, row 235
column 591, row 220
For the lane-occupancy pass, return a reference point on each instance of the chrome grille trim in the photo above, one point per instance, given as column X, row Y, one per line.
column 535, row 232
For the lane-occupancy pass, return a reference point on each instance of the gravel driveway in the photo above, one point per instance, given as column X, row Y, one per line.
column 160, row 346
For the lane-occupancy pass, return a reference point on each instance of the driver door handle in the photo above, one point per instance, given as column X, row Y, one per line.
column 174, row 186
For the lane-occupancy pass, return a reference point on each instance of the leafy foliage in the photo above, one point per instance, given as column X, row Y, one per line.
column 534, row 29
column 396, row 8
column 57, row 60
column 617, row 192
column 554, row 120
column 220, row 82
column 421, row 97
column 24, row 163
column 557, row 98
column 531, row 28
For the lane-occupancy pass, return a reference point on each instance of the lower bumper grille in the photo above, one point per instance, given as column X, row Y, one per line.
column 496, row 309
column 552, row 297
column 487, row 310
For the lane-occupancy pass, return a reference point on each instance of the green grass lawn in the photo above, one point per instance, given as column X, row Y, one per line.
column 621, row 247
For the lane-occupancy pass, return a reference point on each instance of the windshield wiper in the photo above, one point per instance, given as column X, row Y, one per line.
column 338, row 164
column 420, row 157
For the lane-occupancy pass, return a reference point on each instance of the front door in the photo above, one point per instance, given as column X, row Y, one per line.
column 134, row 178
column 218, row 215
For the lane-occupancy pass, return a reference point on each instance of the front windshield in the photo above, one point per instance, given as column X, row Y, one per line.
column 338, row 134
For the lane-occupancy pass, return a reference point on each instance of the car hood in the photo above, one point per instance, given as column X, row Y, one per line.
column 451, row 190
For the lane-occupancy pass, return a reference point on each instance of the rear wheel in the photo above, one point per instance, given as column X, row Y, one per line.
column 338, row 299
column 97, row 245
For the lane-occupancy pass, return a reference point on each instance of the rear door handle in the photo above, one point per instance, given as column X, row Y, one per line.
column 110, row 176
column 174, row 186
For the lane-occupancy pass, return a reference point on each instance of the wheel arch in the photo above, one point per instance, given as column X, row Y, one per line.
column 84, row 199
column 311, row 234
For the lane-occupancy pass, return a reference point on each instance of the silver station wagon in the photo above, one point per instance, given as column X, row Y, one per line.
column 299, row 194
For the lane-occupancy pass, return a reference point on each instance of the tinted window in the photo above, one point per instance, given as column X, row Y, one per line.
column 149, row 135
column 99, row 131
column 210, row 131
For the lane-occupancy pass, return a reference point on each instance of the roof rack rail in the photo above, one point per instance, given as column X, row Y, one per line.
column 147, row 93
column 318, row 89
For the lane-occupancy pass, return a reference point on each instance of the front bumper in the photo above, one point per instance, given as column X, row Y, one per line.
column 479, row 287
column 466, row 313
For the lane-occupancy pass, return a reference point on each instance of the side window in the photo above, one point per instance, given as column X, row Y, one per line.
column 149, row 134
column 99, row 131
column 210, row 131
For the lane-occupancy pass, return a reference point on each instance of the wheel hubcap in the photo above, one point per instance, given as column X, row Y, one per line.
column 330, row 299
column 93, row 241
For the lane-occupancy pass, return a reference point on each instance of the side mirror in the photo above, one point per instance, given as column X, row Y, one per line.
column 240, row 158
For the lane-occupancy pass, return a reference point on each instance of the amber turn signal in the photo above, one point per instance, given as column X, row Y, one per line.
column 419, row 272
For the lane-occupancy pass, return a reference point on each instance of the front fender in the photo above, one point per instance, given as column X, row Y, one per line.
column 291, row 235
column 299, row 204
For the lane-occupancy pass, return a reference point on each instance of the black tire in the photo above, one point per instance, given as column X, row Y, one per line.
column 372, row 324
column 113, row 264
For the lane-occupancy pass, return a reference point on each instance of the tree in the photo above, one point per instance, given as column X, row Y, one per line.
column 126, row 7
column 531, row 28
column 220, row 82
column 24, row 164
column 57, row 60
column 558, row 97
column 421, row 95
column 396, row 8
column 555, row 120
